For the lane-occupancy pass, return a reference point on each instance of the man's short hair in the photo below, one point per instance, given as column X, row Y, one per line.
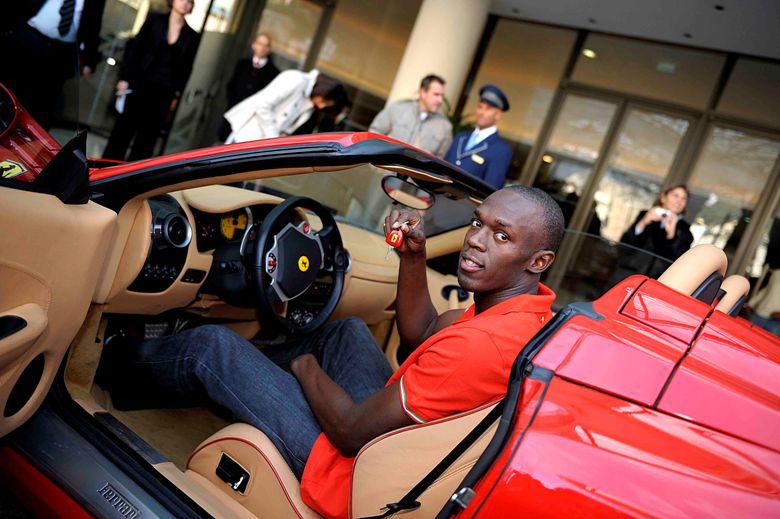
column 551, row 217
column 425, row 84
column 332, row 89
column 263, row 33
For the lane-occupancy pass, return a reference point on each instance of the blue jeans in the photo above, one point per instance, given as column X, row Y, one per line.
column 213, row 364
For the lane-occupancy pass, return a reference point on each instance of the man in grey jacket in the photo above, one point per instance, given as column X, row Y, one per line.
column 418, row 122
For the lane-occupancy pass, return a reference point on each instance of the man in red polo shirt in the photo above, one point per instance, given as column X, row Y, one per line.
column 342, row 392
column 464, row 357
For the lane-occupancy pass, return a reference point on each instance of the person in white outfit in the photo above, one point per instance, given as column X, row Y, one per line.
column 284, row 105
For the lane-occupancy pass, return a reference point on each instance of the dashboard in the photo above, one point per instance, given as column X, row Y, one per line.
column 215, row 229
column 171, row 235
column 174, row 257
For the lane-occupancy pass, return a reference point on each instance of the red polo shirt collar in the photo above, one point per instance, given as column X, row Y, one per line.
column 526, row 303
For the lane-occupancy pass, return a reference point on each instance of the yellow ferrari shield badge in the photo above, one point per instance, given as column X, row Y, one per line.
column 303, row 263
column 11, row 168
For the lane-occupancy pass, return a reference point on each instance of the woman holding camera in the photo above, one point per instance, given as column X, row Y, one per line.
column 661, row 229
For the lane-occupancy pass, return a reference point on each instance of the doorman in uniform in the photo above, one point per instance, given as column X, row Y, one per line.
column 482, row 152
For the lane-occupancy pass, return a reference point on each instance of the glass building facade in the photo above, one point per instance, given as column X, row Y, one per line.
column 602, row 122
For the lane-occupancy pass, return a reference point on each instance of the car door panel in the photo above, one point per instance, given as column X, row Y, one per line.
column 27, row 322
column 51, row 254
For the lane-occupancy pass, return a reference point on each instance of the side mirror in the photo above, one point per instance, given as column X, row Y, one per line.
column 408, row 194
column 7, row 111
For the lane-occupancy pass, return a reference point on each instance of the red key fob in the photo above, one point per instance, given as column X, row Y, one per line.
column 395, row 238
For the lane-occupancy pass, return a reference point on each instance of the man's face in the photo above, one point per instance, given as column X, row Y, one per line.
column 261, row 47
column 432, row 98
column 487, row 115
column 500, row 245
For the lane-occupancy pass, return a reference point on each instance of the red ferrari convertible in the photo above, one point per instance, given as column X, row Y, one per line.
column 652, row 400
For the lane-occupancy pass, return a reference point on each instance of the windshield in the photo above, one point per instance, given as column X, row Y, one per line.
column 587, row 265
column 356, row 196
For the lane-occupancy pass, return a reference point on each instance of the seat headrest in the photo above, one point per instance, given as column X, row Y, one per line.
column 697, row 273
column 736, row 288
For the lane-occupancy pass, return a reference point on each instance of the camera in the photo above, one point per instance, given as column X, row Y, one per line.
column 661, row 211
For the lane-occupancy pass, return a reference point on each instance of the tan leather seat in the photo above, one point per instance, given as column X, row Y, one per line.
column 736, row 288
column 272, row 489
column 384, row 470
column 691, row 269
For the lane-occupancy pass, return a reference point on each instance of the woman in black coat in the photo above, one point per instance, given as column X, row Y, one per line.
column 157, row 65
column 662, row 229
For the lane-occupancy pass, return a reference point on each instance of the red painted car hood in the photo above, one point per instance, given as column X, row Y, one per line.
column 667, row 351
column 730, row 381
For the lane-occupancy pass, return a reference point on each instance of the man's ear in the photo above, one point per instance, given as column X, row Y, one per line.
column 541, row 261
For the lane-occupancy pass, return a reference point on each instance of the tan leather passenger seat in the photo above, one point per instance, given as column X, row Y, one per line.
column 384, row 470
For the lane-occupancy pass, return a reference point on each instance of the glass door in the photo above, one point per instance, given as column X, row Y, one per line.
column 573, row 155
column 731, row 175
column 766, row 255
column 574, row 147
column 97, row 92
column 293, row 25
column 605, row 161
column 190, row 126
column 643, row 154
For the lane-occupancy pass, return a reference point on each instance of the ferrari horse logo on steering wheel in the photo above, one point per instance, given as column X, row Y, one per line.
column 303, row 263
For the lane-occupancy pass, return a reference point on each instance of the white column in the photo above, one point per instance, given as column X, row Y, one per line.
column 443, row 41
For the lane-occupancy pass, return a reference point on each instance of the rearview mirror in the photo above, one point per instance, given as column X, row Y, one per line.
column 408, row 194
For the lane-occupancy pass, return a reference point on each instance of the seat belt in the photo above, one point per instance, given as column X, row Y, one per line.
column 409, row 501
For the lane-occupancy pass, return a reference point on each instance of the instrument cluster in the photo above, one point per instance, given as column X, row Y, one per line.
column 215, row 229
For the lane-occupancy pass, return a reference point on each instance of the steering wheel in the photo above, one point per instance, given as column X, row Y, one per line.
column 287, row 258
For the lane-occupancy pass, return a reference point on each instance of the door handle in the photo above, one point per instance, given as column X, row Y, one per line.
column 20, row 327
column 10, row 324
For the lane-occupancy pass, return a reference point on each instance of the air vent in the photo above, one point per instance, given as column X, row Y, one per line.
column 177, row 231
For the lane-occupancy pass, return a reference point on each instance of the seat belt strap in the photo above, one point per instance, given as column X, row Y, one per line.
column 409, row 501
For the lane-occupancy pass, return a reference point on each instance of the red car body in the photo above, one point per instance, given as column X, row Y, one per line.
column 658, row 407
column 26, row 147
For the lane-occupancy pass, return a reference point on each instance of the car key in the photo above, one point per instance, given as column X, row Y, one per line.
column 394, row 239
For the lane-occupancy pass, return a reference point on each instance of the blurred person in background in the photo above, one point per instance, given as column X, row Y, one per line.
column 482, row 152
column 290, row 102
column 156, row 67
column 44, row 43
column 764, row 307
column 418, row 121
column 250, row 75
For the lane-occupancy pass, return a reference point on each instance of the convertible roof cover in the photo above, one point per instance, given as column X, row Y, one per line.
column 339, row 140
